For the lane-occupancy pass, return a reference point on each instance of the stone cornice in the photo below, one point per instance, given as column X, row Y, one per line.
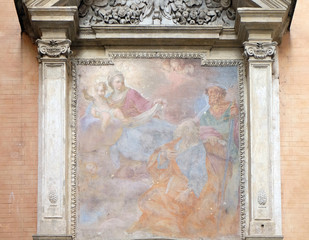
column 47, row 17
column 264, row 238
column 51, row 3
column 281, row 4
column 157, row 35
column 54, row 19
column 272, row 21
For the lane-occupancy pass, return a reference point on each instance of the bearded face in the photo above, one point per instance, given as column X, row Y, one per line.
column 215, row 94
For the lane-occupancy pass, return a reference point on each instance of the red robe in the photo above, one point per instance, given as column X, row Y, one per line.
column 132, row 104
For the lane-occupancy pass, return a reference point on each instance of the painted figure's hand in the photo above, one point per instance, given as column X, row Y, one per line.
column 234, row 110
column 212, row 140
column 160, row 101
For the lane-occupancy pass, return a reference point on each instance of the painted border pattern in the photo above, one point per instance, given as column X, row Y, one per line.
column 93, row 62
column 163, row 55
column 73, row 150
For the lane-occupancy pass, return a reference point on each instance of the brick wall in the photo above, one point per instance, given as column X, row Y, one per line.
column 18, row 128
column 294, row 98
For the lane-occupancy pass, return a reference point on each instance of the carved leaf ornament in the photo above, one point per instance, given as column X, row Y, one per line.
column 180, row 12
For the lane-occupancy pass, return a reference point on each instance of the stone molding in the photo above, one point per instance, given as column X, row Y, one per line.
column 260, row 50
column 126, row 35
column 272, row 3
column 51, row 237
column 265, row 238
column 93, row 62
column 162, row 55
column 255, row 19
column 51, row 3
column 54, row 48
column 53, row 22
column 73, row 158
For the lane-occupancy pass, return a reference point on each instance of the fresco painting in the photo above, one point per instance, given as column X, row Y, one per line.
column 158, row 150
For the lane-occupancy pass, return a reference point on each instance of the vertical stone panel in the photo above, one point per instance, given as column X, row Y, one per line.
column 264, row 158
column 260, row 139
column 53, row 147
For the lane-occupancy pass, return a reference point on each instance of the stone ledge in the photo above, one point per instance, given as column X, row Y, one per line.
column 264, row 238
column 52, row 237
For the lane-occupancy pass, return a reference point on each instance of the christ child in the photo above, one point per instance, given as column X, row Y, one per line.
column 101, row 108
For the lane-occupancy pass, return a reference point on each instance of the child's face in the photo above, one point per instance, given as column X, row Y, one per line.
column 101, row 90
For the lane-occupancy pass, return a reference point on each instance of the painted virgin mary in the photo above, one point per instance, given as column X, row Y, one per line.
column 128, row 100
column 145, row 131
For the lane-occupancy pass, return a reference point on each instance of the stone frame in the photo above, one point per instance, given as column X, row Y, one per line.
column 251, row 228
column 164, row 55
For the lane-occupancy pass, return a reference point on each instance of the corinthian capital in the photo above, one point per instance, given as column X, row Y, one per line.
column 54, row 48
column 260, row 50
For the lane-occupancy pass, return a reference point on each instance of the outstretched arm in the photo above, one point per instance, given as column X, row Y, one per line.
column 141, row 103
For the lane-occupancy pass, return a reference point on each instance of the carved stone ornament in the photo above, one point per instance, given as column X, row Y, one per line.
column 53, row 48
column 260, row 50
column 183, row 12
column 52, row 196
column 262, row 197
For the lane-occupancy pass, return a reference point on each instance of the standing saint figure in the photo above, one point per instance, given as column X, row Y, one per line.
column 219, row 131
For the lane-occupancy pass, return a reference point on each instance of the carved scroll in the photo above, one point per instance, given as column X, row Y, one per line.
column 53, row 48
column 260, row 50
